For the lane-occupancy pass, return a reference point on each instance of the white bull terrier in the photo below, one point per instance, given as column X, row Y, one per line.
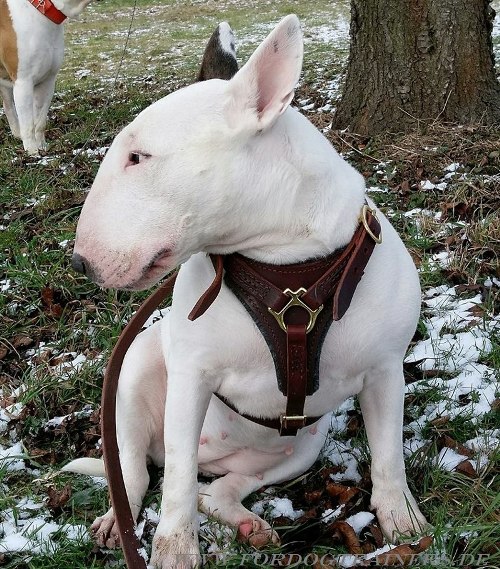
column 221, row 167
column 31, row 54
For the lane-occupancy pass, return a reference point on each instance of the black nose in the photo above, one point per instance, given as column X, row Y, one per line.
column 78, row 263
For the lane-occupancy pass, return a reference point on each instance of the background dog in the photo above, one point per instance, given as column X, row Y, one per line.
column 31, row 54
column 222, row 167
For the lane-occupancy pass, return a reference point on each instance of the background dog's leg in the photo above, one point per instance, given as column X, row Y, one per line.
column 10, row 109
column 139, row 424
column 42, row 97
column 23, row 98
column 382, row 400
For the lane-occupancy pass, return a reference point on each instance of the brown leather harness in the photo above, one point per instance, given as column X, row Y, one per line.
column 293, row 307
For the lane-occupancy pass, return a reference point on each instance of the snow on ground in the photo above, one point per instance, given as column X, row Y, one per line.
column 28, row 528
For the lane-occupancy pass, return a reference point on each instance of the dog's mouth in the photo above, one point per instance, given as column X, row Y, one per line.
column 157, row 267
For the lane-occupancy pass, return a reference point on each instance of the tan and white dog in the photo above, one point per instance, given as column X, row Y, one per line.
column 31, row 54
column 223, row 167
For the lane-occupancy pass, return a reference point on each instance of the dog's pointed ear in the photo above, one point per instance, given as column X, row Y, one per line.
column 219, row 59
column 265, row 85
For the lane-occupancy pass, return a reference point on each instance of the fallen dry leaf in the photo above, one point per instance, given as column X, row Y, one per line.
column 21, row 341
column 447, row 441
column 465, row 467
column 343, row 493
column 313, row 496
column 402, row 555
column 378, row 536
column 58, row 498
column 52, row 307
column 348, row 535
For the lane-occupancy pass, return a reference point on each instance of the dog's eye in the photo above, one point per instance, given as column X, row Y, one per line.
column 135, row 158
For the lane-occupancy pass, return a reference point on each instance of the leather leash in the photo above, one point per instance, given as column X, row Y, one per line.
column 123, row 516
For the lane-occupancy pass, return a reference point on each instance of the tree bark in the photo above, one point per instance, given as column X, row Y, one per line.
column 413, row 62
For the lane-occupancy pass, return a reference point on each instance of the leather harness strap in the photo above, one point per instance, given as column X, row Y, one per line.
column 48, row 9
column 300, row 300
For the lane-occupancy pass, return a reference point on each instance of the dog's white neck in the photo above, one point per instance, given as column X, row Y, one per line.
column 312, row 198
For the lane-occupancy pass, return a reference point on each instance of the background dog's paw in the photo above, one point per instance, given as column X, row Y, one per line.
column 105, row 531
column 177, row 551
column 257, row 533
column 398, row 514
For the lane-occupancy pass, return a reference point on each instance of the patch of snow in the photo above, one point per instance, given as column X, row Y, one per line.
column 22, row 533
column 341, row 453
column 58, row 421
column 12, row 458
column 491, row 281
column 157, row 315
column 82, row 73
column 360, row 520
column 450, row 352
column 277, row 507
column 427, row 185
column 330, row 515
column 448, row 459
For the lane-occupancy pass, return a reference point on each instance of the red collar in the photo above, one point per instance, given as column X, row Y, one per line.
column 48, row 9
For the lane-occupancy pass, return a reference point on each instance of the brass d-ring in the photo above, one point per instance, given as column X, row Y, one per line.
column 364, row 221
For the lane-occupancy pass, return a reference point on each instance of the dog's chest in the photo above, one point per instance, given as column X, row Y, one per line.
column 227, row 345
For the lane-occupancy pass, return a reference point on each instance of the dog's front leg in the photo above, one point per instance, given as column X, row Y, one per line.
column 23, row 98
column 382, row 400
column 175, row 544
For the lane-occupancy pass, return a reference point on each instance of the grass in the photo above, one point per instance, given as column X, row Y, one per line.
column 48, row 314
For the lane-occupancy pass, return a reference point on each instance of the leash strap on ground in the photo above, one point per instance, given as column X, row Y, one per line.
column 119, row 501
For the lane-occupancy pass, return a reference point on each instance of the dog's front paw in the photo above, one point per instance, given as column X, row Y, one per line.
column 176, row 551
column 398, row 513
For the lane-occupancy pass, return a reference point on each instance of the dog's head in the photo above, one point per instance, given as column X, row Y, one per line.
column 195, row 171
column 71, row 8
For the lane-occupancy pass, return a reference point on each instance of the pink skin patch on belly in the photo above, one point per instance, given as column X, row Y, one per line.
column 249, row 462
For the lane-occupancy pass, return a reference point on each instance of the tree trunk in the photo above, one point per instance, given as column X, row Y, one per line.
column 412, row 62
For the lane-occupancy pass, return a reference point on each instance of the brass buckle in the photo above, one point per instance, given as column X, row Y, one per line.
column 285, row 418
column 364, row 221
column 295, row 300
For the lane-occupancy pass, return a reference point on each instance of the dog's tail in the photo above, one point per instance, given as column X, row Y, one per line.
column 89, row 466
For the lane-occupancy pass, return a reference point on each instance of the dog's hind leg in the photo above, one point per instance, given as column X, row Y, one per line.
column 10, row 109
column 222, row 498
column 382, row 400
column 42, row 97
column 139, row 424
